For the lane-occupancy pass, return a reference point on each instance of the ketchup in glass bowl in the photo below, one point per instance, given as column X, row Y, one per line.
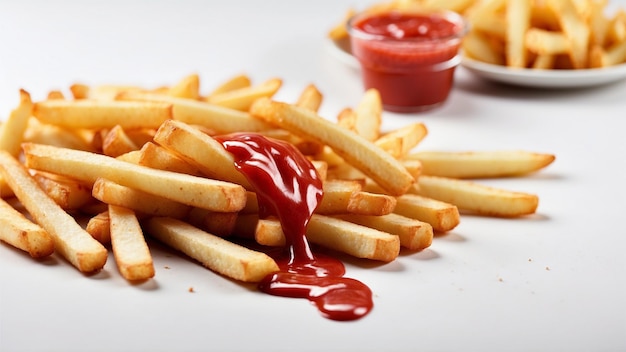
column 408, row 56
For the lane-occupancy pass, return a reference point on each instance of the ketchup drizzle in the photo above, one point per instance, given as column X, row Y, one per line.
column 288, row 186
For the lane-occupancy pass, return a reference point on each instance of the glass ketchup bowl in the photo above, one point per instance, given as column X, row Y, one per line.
column 408, row 56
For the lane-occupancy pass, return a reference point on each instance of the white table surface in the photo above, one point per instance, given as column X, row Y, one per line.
column 550, row 282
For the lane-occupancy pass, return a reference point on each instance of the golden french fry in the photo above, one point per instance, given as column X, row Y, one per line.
column 544, row 42
column 235, row 82
column 99, row 227
column 200, row 150
column 96, row 114
column 88, row 167
column 544, row 62
column 80, row 91
column 147, row 204
column 218, row 118
column 362, row 154
column 442, row 216
column 340, row 235
column 188, row 87
column 12, row 130
column 369, row 115
column 116, row 142
column 310, row 98
column 407, row 138
column 55, row 94
column 339, row 31
column 68, row 193
column 478, row 46
column 336, row 196
column 21, row 233
column 130, row 249
column 481, row 164
column 367, row 203
column 215, row 253
column 518, row 22
column 157, row 157
column 242, row 98
column 40, row 133
column 414, row 235
column 575, row 30
column 217, row 223
column 478, row 198
column 70, row 239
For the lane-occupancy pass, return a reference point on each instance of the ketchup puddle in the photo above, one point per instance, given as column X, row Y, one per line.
column 287, row 186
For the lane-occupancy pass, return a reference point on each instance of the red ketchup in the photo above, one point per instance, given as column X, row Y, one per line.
column 288, row 186
column 408, row 57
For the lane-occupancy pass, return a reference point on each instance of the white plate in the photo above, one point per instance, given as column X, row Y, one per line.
column 549, row 79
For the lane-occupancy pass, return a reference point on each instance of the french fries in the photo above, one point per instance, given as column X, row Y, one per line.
column 356, row 150
column 146, row 163
column 70, row 240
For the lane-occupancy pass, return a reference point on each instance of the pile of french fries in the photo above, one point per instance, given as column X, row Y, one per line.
column 539, row 34
column 140, row 163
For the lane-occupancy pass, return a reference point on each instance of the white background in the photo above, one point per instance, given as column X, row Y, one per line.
column 550, row 282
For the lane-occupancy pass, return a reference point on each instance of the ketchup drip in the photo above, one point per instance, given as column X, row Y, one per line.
column 288, row 187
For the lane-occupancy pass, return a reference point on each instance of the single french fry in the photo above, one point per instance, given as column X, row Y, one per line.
column 310, row 98
column 242, row 98
column 233, row 83
column 369, row 115
column 88, row 167
column 80, row 91
column 478, row 198
column 340, row 235
column 347, row 119
column 99, row 227
column 96, row 114
column 218, row 118
column 200, row 150
column 367, row 203
column 41, row 133
column 142, row 202
column 215, row 253
column 407, row 137
column 362, row 154
column 575, row 29
column 336, row 196
column 116, row 142
column 518, row 22
column 68, row 193
column 339, row 30
column 12, row 130
column 544, row 62
column 55, row 94
column 414, row 235
column 70, row 239
column 413, row 166
column 187, row 88
column 217, row 223
column 21, row 233
column 130, row 249
column 543, row 42
column 477, row 46
column 442, row 216
column 481, row 164
column 157, row 157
